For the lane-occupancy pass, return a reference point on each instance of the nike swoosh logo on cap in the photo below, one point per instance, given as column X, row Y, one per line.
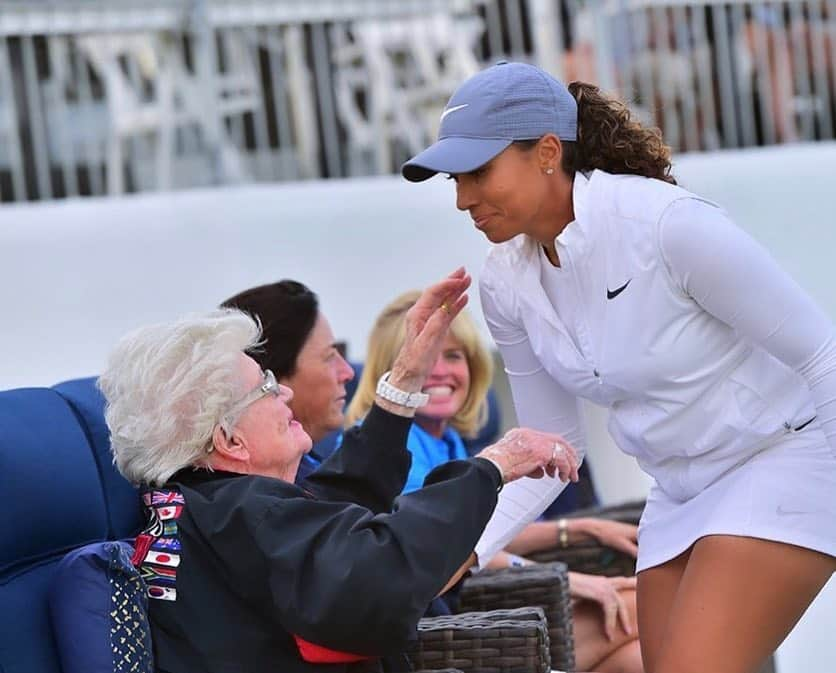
column 452, row 109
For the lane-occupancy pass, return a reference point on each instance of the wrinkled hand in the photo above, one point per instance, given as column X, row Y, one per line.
column 614, row 534
column 427, row 323
column 605, row 592
column 523, row 452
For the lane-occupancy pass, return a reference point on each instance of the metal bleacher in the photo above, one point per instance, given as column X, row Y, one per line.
column 114, row 96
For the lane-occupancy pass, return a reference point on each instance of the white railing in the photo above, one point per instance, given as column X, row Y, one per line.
column 114, row 96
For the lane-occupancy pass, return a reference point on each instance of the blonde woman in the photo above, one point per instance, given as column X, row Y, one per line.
column 604, row 611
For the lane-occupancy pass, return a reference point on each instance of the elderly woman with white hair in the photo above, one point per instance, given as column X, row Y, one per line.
column 248, row 571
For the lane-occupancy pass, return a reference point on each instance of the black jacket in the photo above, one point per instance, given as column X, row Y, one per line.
column 343, row 562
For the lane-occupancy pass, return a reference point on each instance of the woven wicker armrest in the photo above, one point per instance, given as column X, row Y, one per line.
column 589, row 557
column 529, row 613
column 474, row 643
column 545, row 586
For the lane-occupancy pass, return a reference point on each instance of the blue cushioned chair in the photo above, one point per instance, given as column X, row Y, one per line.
column 99, row 611
column 60, row 491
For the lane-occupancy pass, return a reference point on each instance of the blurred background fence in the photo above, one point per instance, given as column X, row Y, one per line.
column 113, row 96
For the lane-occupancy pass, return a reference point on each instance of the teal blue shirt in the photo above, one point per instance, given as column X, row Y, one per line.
column 429, row 452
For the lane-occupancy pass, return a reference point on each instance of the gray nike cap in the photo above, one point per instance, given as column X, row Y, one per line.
column 489, row 111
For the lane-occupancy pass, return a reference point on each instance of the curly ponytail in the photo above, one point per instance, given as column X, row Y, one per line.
column 611, row 140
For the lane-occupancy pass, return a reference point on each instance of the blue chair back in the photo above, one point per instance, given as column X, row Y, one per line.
column 124, row 509
column 60, row 491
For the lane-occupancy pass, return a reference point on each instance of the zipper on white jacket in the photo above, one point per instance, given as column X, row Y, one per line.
column 566, row 257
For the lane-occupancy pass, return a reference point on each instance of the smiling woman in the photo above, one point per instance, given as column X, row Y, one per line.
column 612, row 284
column 457, row 384
column 503, row 204
column 448, row 386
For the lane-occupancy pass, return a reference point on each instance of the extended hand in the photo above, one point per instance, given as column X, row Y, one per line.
column 427, row 323
column 615, row 534
column 523, row 452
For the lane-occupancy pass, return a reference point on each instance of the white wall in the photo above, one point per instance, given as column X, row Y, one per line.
column 76, row 275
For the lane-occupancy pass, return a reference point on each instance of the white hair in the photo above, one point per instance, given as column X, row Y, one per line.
column 167, row 387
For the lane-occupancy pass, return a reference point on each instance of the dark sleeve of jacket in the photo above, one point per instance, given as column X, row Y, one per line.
column 371, row 465
column 349, row 580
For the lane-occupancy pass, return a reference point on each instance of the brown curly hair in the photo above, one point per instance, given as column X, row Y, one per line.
column 611, row 140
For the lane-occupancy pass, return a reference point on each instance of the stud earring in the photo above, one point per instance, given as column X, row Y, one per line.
column 549, row 171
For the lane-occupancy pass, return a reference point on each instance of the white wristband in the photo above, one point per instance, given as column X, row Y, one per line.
column 389, row 392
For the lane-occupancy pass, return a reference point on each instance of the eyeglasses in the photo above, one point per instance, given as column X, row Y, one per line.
column 269, row 386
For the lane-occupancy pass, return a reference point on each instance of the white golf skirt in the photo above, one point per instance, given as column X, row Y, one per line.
column 785, row 493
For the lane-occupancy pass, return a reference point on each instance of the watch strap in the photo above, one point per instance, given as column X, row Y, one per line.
column 389, row 392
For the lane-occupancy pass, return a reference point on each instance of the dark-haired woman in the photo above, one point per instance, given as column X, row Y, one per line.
column 300, row 349
column 612, row 284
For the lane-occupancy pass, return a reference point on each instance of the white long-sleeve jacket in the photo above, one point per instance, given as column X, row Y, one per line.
column 703, row 349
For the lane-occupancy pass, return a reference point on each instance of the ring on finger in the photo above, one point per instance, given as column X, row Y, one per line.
column 444, row 307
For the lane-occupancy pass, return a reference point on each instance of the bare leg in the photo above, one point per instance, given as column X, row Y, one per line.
column 738, row 598
column 593, row 651
column 656, row 591
column 626, row 659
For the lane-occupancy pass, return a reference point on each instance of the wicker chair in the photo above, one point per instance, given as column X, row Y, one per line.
column 591, row 557
column 545, row 586
column 499, row 641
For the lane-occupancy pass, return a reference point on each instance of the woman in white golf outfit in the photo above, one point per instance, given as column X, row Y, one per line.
column 610, row 283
